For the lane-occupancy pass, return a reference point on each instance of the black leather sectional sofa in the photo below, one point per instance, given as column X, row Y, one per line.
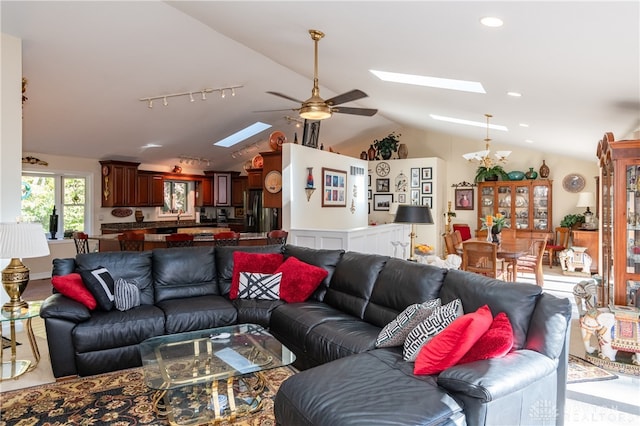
column 345, row 379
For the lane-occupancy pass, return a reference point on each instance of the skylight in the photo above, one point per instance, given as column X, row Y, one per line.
column 421, row 80
column 243, row 134
column 469, row 122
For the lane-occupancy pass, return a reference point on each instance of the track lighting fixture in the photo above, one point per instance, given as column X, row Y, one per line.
column 203, row 94
column 290, row 120
column 187, row 159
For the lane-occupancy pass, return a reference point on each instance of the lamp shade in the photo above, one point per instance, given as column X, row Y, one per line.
column 586, row 199
column 22, row 240
column 413, row 214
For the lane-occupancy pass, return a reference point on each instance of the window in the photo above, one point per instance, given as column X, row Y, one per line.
column 67, row 194
column 176, row 197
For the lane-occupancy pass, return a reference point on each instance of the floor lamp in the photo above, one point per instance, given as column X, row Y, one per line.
column 413, row 214
column 18, row 241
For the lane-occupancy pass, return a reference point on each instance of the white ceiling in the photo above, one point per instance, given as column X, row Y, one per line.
column 577, row 65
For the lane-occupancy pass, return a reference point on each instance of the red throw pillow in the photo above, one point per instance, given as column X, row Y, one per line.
column 299, row 280
column 496, row 342
column 262, row 263
column 73, row 287
column 450, row 345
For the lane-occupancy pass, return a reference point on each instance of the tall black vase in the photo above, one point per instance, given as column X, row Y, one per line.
column 495, row 233
column 53, row 225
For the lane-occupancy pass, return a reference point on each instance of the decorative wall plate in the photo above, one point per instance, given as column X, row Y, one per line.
column 273, row 182
column 257, row 162
column 383, row 169
column 121, row 212
column 573, row 182
column 276, row 139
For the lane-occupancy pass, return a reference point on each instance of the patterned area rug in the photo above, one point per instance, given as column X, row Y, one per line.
column 583, row 371
column 119, row 398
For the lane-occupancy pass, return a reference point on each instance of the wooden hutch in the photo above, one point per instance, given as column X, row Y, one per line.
column 620, row 219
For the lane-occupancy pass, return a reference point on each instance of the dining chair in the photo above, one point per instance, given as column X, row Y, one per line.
column 481, row 257
column 82, row 242
column 465, row 230
column 179, row 240
column 457, row 237
column 131, row 241
column 277, row 236
column 559, row 243
column 228, row 238
column 449, row 245
column 531, row 263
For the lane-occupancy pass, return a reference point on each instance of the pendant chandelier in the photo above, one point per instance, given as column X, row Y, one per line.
column 482, row 157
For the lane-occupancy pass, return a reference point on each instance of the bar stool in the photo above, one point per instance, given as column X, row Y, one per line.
column 277, row 236
column 226, row 238
column 82, row 242
column 131, row 241
column 179, row 240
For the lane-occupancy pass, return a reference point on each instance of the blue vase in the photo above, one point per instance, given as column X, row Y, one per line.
column 515, row 175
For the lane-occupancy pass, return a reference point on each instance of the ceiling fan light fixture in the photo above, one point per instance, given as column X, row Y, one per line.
column 315, row 112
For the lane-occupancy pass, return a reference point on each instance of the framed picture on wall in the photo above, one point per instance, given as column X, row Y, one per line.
column 334, row 184
column 415, row 197
column 427, row 187
column 415, row 177
column 382, row 185
column 426, row 173
column 369, row 196
column 464, row 199
column 382, row 202
column 402, row 198
column 427, row 201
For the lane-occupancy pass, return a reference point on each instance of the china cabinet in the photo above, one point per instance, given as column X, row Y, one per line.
column 620, row 193
column 526, row 205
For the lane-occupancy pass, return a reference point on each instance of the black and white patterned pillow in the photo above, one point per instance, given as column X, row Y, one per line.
column 259, row 286
column 395, row 333
column 100, row 283
column 126, row 294
column 441, row 317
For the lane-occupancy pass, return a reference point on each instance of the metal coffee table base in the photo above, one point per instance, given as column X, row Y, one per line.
column 203, row 404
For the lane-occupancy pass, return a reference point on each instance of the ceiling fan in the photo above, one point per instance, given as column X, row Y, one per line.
column 316, row 108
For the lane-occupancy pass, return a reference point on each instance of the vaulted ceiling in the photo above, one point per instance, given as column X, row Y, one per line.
column 576, row 64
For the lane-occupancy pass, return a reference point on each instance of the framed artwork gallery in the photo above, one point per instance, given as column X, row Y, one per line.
column 464, row 199
column 382, row 202
column 334, row 184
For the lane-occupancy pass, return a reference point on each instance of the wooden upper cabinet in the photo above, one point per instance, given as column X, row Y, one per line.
column 239, row 185
column 204, row 192
column 272, row 176
column 118, row 183
column 254, row 179
column 149, row 189
column 222, row 189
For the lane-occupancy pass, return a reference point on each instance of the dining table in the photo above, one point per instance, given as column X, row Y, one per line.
column 509, row 249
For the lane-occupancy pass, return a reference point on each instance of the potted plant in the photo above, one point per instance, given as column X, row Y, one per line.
column 386, row 146
column 572, row 221
column 490, row 173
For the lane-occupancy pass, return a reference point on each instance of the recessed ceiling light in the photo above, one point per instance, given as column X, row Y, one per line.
column 491, row 21
column 514, row 94
column 151, row 145
column 469, row 122
column 421, row 80
column 243, row 134
column 524, row 125
column 528, row 141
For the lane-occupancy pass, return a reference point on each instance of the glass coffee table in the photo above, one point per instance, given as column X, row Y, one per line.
column 211, row 375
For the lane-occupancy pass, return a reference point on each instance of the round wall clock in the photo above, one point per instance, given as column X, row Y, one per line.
column 273, row 182
column 383, row 169
column 573, row 182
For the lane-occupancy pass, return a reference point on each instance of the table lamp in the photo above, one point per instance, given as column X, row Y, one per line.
column 587, row 199
column 407, row 213
column 18, row 241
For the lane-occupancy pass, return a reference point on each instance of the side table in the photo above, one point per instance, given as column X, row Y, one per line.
column 15, row 368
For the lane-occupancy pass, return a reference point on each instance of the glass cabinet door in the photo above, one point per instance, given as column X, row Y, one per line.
column 633, row 219
column 521, row 207
column 540, row 209
column 505, row 201
column 487, row 198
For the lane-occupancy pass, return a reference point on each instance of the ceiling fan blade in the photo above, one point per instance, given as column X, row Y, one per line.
column 353, row 95
column 286, row 97
column 276, row 110
column 355, row 111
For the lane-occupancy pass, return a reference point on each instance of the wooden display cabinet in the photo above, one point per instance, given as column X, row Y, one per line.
column 620, row 218
column 590, row 240
column 526, row 205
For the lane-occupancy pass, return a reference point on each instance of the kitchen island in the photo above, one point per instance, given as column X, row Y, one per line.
column 109, row 242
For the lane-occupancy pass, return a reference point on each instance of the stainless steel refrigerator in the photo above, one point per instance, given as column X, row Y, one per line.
column 257, row 217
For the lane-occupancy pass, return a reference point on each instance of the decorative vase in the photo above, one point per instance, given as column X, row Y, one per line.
column 491, row 178
column 364, row 155
column 385, row 153
column 310, row 177
column 403, row 151
column 515, row 175
column 531, row 174
column 495, row 234
column 544, row 170
column 372, row 153
column 295, row 138
column 139, row 216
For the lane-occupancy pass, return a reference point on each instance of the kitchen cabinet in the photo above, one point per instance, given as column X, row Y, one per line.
column 588, row 239
column 118, row 183
column 272, row 179
column 254, row 179
column 526, row 205
column 620, row 194
column 149, row 189
column 222, row 189
column 205, row 192
column 239, row 185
